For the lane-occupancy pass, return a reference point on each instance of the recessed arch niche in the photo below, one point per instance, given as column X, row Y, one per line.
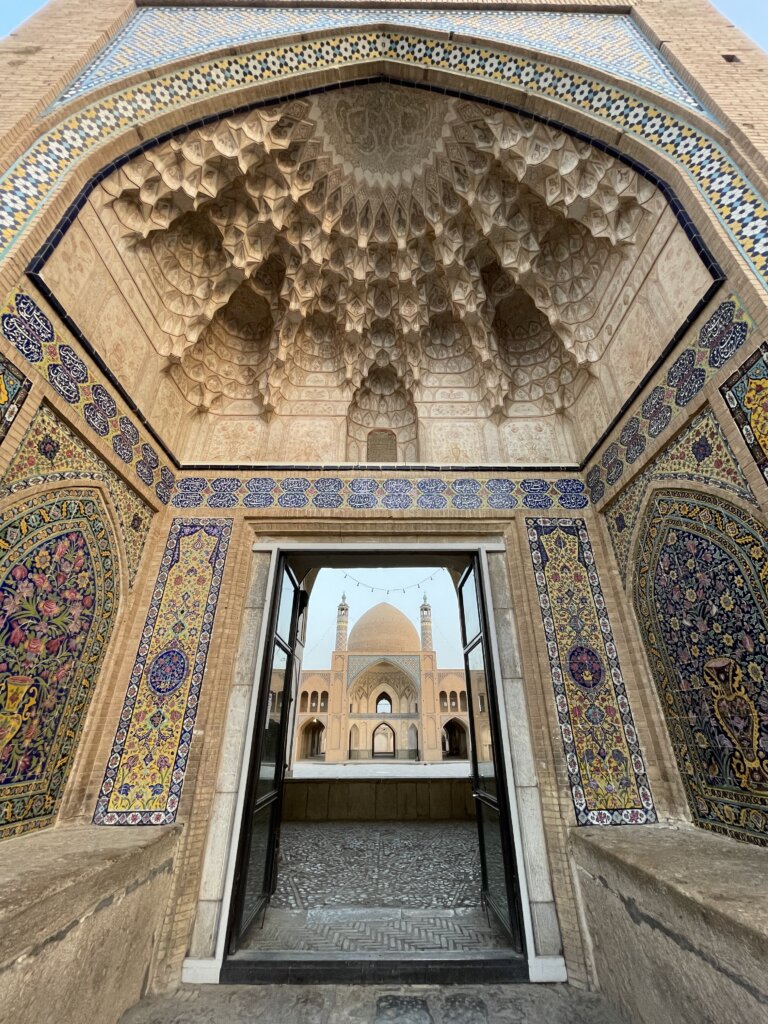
column 459, row 290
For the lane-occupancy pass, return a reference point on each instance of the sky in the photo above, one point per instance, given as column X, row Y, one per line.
column 749, row 15
column 331, row 583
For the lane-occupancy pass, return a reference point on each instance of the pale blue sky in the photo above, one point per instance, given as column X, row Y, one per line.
column 331, row 583
column 749, row 15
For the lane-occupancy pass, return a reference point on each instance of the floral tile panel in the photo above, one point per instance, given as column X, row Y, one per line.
column 145, row 773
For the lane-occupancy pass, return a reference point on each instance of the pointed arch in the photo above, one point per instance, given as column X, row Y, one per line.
column 699, row 593
column 383, row 703
column 354, row 743
column 455, row 740
column 383, row 741
column 61, row 592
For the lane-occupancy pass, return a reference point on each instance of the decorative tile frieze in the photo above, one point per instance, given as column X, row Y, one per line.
column 69, row 373
column 600, row 744
column 724, row 333
column 50, row 452
column 380, row 491
column 145, row 772
column 699, row 588
column 59, row 598
column 409, row 663
column 700, row 454
column 27, row 185
column 606, row 42
column 746, row 394
column 14, row 388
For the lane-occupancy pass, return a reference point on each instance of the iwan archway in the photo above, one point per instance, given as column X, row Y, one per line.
column 237, row 309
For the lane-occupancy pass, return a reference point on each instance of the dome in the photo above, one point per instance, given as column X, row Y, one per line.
column 384, row 630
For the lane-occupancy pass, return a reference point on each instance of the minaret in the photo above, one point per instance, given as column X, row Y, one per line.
column 342, row 624
column 426, row 625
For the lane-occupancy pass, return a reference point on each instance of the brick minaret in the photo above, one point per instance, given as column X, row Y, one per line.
column 342, row 624
column 426, row 625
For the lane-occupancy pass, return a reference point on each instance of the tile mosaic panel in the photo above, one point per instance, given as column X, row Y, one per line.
column 29, row 330
column 357, row 492
column 734, row 200
column 50, row 451
column 58, row 601
column 145, row 773
column 607, row 42
column 700, row 453
column 602, row 753
column 722, row 335
column 700, row 596
column 746, row 394
column 14, row 388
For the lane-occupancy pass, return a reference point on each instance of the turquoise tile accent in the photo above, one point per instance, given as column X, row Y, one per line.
column 732, row 197
column 606, row 42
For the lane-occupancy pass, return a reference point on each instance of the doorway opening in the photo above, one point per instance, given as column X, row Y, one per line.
column 455, row 740
column 376, row 825
column 312, row 743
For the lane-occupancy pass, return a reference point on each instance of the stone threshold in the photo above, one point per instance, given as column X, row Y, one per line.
column 296, row 968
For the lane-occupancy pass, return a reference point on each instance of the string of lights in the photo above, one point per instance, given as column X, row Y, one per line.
column 392, row 590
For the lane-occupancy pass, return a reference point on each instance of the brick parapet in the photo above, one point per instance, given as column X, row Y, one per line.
column 694, row 37
column 47, row 51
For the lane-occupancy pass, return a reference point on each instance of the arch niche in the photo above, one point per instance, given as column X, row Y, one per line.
column 312, row 741
column 60, row 588
column 701, row 559
column 383, row 741
column 455, row 740
column 403, row 331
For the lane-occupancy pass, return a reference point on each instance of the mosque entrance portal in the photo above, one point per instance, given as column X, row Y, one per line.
column 376, row 824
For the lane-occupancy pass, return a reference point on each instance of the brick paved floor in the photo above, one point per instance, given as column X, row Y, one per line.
column 369, row 886
column 344, row 1004
column 417, row 864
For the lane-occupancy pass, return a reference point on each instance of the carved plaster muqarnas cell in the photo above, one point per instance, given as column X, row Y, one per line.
column 378, row 257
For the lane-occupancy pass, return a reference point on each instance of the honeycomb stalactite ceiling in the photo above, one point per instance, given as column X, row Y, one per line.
column 379, row 248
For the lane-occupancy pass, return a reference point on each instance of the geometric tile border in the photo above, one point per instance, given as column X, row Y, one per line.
column 602, row 753
column 724, row 333
column 28, row 329
column 365, row 492
column 607, row 42
column 39, row 172
column 145, row 773
column 746, row 394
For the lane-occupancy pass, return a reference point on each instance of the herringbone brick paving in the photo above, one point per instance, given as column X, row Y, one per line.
column 345, row 930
